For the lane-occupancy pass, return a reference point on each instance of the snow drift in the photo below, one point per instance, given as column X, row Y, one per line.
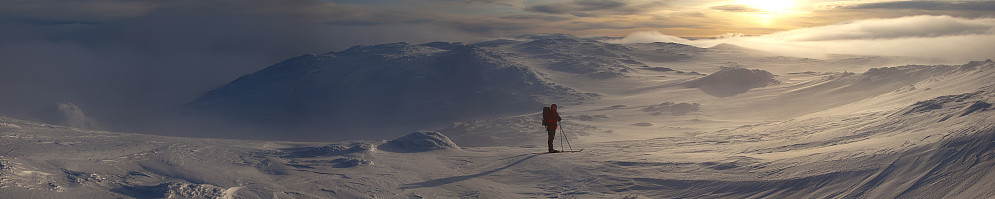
column 329, row 150
column 958, row 164
column 420, row 141
column 731, row 81
column 682, row 108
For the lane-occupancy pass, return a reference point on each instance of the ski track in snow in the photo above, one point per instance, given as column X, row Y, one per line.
column 819, row 132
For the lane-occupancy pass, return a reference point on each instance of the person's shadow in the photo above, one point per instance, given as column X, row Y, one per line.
column 449, row 180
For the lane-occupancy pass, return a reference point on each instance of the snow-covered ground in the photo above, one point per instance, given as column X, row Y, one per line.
column 721, row 122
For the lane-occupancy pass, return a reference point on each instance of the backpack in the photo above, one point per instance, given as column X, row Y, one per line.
column 545, row 114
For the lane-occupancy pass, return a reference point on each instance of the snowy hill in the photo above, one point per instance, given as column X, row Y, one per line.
column 378, row 91
column 402, row 87
column 588, row 58
column 731, row 81
column 397, row 84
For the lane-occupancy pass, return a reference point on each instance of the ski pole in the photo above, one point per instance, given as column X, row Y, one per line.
column 561, row 135
column 565, row 138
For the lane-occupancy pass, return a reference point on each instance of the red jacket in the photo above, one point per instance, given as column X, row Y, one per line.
column 551, row 118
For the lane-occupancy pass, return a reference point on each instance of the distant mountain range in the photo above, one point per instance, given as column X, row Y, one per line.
column 401, row 87
column 401, row 84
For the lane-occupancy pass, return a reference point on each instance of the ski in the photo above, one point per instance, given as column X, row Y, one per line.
column 564, row 151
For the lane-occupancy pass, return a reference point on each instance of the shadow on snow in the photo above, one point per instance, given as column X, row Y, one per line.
column 450, row 180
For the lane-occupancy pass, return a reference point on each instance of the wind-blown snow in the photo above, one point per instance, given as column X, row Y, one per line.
column 67, row 114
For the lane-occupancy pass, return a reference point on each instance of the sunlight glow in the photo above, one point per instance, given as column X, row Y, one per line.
column 770, row 5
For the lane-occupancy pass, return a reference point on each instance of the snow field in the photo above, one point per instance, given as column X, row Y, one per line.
column 814, row 129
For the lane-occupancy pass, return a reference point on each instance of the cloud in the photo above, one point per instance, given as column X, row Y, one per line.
column 943, row 38
column 736, row 8
column 536, row 17
column 494, row 2
column 594, row 8
column 83, row 10
column 894, row 28
column 930, row 5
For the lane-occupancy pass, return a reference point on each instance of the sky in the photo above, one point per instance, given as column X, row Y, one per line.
column 124, row 57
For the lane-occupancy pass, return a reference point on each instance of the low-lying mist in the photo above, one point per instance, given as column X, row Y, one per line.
column 944, row 39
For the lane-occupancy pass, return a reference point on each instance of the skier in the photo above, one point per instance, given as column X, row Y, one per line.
column 550, row 119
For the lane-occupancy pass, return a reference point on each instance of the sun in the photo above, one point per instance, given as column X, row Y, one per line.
column 770, row 5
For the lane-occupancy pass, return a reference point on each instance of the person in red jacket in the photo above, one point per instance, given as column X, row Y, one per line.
column 550, row 119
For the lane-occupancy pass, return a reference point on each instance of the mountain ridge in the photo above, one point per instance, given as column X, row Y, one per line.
column 399, row 83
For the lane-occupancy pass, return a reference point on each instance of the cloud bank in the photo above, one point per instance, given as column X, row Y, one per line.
column 595, row 8
column 929, row 5
column 941, row 38
column 895, row 28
